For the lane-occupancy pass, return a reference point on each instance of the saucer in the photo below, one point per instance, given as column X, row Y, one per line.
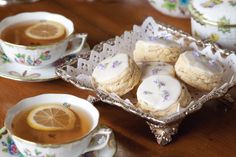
column 15, row 71
column 8, row 148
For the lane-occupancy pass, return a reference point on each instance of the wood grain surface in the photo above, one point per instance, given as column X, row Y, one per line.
column 209, row 132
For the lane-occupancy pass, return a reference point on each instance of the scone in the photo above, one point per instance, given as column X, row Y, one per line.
column 156, row 68
column 162, row 95
column 199, row 71
column 157, row 50
column 118, row 74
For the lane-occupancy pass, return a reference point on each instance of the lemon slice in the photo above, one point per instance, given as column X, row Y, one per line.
column 51, row 118
column 46, row 30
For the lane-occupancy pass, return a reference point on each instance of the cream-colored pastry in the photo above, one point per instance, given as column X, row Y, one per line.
column 199, row 71
column 118, row 74
column 156, row 68
column 162, row 95
column 156, row 50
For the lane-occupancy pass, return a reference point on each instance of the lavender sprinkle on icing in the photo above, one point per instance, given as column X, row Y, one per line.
column 147, row 92
column 151, row 38
column 159, row 83
column 101, row 66
column 165, row 95
column 156, row 71
column 116, row 64
column 196, row 54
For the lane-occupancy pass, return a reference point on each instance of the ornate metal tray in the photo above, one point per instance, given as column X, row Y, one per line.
column 77, row 71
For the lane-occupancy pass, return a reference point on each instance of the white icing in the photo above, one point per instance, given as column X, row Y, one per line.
column 159, row 91
column 111, row 67
column 151, row 44
column 155, row 68
column 201, row 63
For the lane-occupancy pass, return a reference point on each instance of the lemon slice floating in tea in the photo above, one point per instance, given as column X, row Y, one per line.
column 46, row 30
column 51, row 118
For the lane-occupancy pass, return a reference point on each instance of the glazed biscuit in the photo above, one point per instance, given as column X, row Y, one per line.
column 118, row 74
column 156, row 68
column 162, row 95
column 157, row 50
column 199, row 71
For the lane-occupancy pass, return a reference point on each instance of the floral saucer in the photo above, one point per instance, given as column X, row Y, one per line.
column 8, row 148
column 15, row 71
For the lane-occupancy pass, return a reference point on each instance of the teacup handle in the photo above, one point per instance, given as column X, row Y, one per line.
column 1, row 50
column 2, row 130
column 101, row 142
column 80, row 36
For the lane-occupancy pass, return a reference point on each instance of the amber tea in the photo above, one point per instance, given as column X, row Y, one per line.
column 34, row 33
column 22, row 129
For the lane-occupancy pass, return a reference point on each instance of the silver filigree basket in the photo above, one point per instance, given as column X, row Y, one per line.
column 78, row 72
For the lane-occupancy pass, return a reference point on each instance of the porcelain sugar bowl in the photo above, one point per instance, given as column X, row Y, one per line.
column 175, row 8
column 214, row 20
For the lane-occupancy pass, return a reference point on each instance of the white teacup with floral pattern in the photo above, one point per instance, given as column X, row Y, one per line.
column 38, row 56
column 175, row 8
column 95, row 139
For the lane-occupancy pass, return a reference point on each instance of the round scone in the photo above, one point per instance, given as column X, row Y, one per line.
column 199, row 71
column 156, row 68
column 118, row 74
column 156, row 50
column 162, row 95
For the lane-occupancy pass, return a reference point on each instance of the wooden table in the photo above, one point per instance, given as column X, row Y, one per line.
column 209, row 132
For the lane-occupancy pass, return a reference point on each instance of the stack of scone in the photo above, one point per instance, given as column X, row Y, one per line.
column 152, row 75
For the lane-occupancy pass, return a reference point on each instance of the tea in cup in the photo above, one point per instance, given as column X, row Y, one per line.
column 37, row 38
column 55, row 125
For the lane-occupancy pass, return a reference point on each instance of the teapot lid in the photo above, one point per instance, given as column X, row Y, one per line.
column 214, row 12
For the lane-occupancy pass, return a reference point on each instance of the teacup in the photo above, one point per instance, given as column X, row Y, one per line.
column 174, row 8
column 94, row 139
column 42, row 55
